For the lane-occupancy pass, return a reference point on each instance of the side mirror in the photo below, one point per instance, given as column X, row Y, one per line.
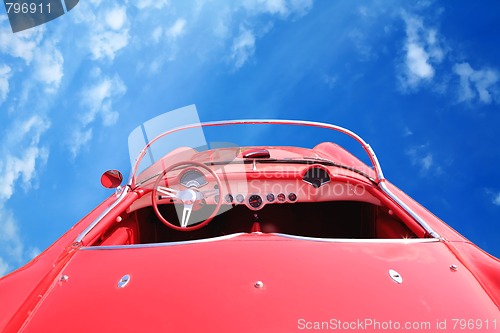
column 111, row 179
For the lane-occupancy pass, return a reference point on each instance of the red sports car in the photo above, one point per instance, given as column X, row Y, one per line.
column 213, row 235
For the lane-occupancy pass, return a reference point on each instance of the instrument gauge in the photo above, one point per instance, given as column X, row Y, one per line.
column 229, row 198
column 240, row 198
column 281, row 197
column 193, row 178
column 255, row 201
column 270, row 197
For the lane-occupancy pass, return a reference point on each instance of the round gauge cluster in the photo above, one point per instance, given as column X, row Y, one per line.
column 256, row 201
column 193, row 178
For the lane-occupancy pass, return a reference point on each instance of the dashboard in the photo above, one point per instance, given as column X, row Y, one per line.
column 314, row 185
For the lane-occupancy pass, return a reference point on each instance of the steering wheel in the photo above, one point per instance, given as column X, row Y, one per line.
column 188, row 197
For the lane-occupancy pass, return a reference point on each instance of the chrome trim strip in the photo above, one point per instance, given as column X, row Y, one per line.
column 364, row 240
column 91, row 226
column 410, row 211
column 152, row 245
column 226, row 237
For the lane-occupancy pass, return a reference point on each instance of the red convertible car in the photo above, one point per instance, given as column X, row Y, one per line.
column 270, row 236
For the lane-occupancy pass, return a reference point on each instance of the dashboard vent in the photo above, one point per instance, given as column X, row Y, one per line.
column 316, row 177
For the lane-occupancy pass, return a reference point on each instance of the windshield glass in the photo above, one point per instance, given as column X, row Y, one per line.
column 180, row 135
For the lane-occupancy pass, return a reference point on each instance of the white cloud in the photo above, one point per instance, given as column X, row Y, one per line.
column 157, row 33
column 79, row 139
column 12, row 247
column 49, row 62
column 110, row 35
column 496, row 199
column 243, row 47
column 22, row 44
column 422, row 51
column 407, row 132
column 22, row 155
column 97, row 100
column 426, row 162
column 417, row 61
column 20, row 166
column 176, row 29
column 226, row 30
column 476, row 83
column 116, row 18
column 5, row 74
column 421, row 157
column 106, row 44
column 10, row 240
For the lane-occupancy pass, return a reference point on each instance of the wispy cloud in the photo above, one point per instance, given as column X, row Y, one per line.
column 97, row 99
column 168, row 35
column 330, row 80
column 493, row 196
column 230, row 30
column 9, row 237
column 5, row 74
column 478, row 85
column 22, row 44
column 243, row 47
column 22, row 155
column 496, row 199
column 109, row 33
column 422, row 51
column 49, row 63
column 12, row 245
column 407, row 132
column 79, row 138
column 41, row 60
column 177, row 29
column 421, row 157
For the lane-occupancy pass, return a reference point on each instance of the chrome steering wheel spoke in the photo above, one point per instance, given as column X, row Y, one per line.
column 186, row 214
column 169, row 193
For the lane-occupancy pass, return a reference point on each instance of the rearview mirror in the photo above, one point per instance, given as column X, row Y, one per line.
column 111, row 179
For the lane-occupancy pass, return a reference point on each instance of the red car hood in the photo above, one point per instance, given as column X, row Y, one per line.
column 212, row 286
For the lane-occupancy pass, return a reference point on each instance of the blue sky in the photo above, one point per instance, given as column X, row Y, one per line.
column 418, row 80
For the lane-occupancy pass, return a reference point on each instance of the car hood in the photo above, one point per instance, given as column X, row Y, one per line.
column 259, row 282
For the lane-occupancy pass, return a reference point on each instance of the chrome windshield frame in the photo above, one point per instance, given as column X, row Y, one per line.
column 379, row 176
